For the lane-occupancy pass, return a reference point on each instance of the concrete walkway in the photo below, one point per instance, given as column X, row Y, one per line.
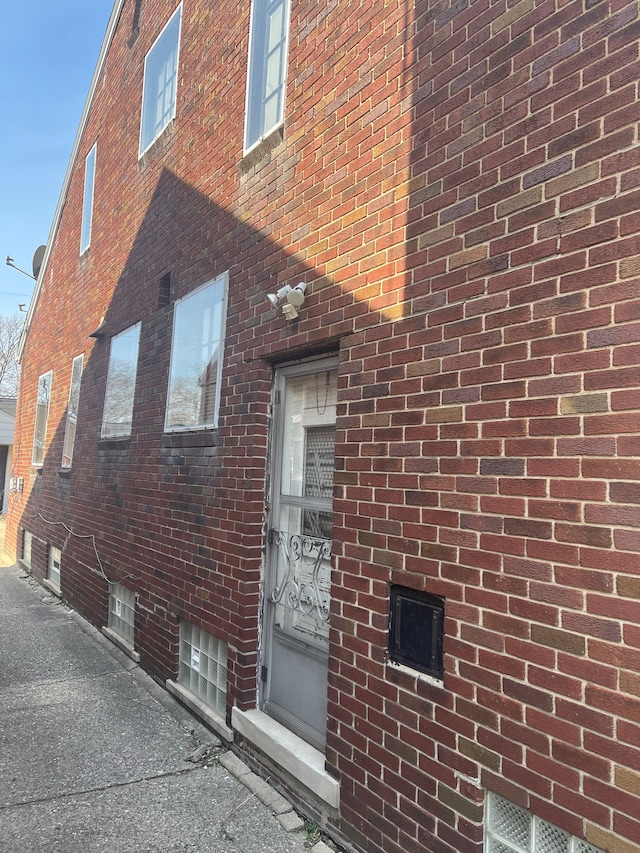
column 95, row 756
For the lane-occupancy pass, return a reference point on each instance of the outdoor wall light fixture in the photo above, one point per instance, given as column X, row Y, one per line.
column 293, row 298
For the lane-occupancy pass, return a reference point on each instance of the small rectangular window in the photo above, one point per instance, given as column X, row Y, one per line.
column 53, row 568
column 27, row 539
column 72, row 412
column 266, row 76
column 87, row 202
column 417, row 630
column 197, row 349
column 203, row 666
column 42, row 417
column 122, row 608
column 121, row 383
column 160, row 82
column 512, row 829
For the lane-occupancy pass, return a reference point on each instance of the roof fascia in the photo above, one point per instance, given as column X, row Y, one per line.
column 106, row 43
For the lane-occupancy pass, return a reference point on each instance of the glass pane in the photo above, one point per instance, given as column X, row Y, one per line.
column 494, row 846
column 302, row 538
column 42, row 416
column 265, row 79
column 160, row 78
column 273, row 76
column 310, row 403
column 196, row 354
column 203, row 661
column 275, row 26
column 121, row 383
column 87, row 204
column 54, row 566
column 549, row 838
column 72, row 411
column 510, row 822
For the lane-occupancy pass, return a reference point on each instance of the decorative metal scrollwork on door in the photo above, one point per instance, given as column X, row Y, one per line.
column 306, row 562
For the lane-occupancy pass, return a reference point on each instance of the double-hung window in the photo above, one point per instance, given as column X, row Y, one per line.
column 121, row 383
column 197, row 350
column 160, row 82
column 87, row 201
column 72, row 412
column 266, row 77
column 42, row 416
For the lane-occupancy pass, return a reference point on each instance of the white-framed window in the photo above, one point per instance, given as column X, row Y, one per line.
column 87, row 201
column 121, row 383
column 512, row 829
column 42, row 417
column 122, row 608
column 53, row 566
column 203, row 666
column 197, row 349
column 27, row 539
column 72, row 411
column 267, row 72
column 160, row 82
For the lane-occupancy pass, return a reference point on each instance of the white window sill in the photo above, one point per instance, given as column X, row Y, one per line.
column 122, row 644
column 198, row 707
column 289, row 751
column 415, row 673
column 261, row 150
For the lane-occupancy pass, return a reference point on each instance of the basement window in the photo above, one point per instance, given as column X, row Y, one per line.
column 122, row 608
column 27, row 539
column 53, row 567
column 512, row 829
column 203, row 666
column 417, row 630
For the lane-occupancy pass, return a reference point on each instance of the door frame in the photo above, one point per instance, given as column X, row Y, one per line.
column 282, row 374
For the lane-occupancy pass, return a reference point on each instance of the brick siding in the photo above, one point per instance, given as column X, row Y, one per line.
column 458, row 184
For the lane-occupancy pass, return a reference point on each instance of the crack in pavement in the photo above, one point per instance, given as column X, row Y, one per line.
column 110, row 786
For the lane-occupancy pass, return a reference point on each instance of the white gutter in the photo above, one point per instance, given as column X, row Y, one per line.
column 111, row 28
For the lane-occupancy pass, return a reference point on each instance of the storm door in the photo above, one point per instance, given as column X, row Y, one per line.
column 298, row 581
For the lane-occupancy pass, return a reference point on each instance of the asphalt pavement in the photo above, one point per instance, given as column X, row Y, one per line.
column 95, row 756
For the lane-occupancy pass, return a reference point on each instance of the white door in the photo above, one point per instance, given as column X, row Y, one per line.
column 298, row 581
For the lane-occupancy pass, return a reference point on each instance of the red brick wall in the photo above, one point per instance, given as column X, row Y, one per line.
column 458, row 185
column 489, row 441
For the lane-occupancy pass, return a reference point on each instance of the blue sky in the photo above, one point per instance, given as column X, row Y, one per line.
column 47, row 58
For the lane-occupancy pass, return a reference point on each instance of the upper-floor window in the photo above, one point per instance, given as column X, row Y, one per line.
column 160, row 82
column 266, row 76
column 87, row 202
column 72, row 411
column 121, row 383
column 196, row 357
column 42, row 416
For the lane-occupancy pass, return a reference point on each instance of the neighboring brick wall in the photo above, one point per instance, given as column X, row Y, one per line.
column 458, row 184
